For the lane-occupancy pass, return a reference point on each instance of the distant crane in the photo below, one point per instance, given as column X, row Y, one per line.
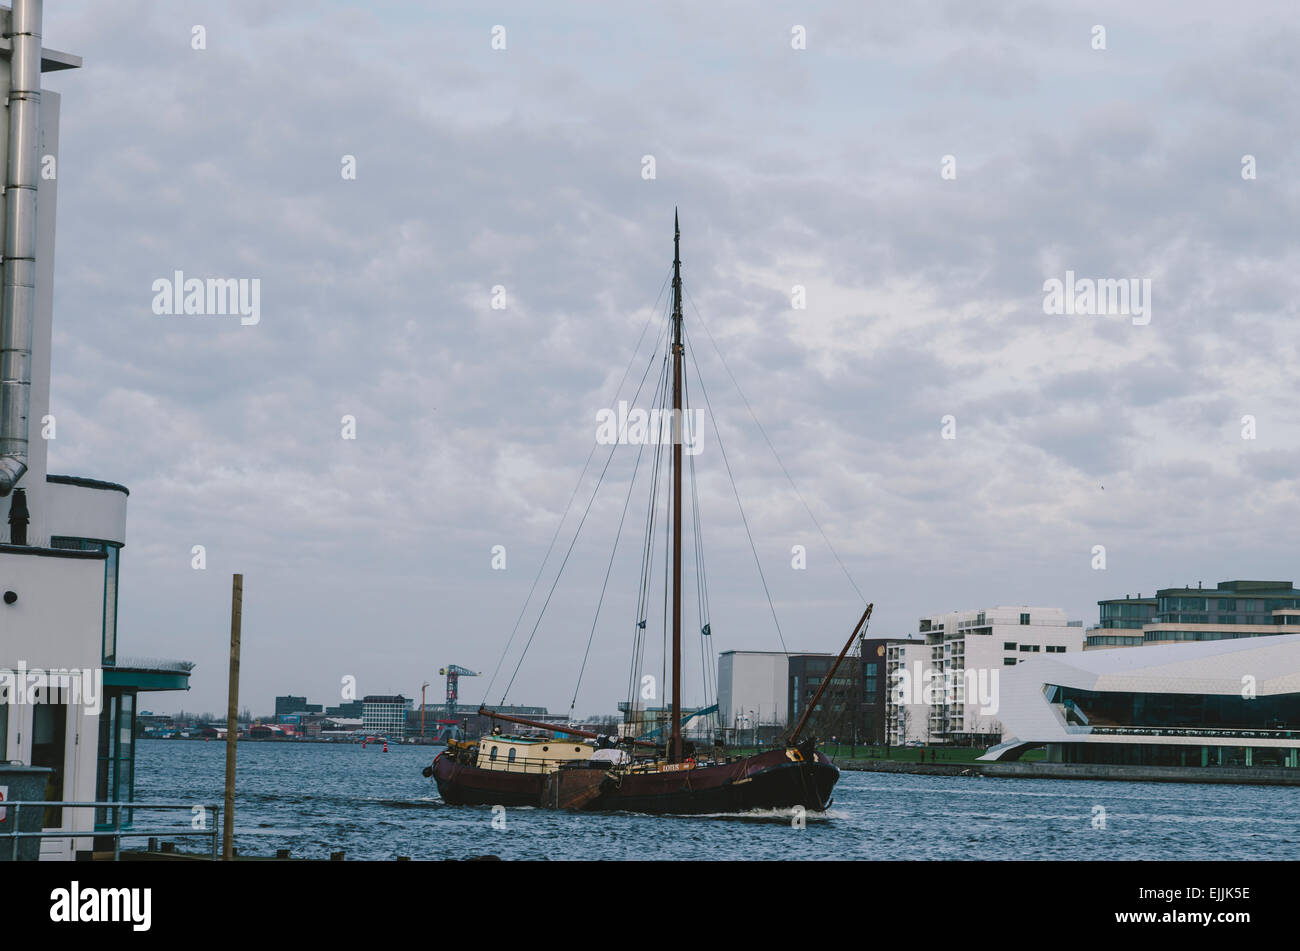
column 453, row 673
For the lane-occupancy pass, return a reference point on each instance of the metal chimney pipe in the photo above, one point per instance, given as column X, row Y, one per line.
column 19, row 292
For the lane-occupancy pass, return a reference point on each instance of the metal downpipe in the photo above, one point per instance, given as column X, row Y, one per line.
column 18, row 301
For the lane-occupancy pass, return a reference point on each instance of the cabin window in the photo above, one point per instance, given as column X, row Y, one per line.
column 577, row 749
column 545, row 749
column 493, row 755
column 510, row 758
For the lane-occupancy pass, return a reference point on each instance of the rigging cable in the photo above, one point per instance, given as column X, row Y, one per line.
column 610, row 567
column 745, row 521
column 701, row 579
column 647, row 564
column 487, row 692
column 574, row 541
column 777, row 455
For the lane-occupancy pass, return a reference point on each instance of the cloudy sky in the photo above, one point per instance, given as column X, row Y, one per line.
column 523, row 167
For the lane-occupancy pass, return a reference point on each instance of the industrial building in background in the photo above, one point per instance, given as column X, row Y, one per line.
column 385, row 715
column 762, row 693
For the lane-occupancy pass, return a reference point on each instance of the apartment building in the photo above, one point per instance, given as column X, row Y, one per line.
column 949, row 692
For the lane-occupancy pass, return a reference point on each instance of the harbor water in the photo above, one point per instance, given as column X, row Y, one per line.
column 316, row 798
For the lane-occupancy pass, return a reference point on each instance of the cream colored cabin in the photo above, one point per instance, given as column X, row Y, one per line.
column 522, row 754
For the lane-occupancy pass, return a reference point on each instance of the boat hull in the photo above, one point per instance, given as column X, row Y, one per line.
column 772, row 780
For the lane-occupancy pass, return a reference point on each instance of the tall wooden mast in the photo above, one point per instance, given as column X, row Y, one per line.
column 675, row 744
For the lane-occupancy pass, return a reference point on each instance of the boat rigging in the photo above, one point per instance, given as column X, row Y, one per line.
column 566, row 767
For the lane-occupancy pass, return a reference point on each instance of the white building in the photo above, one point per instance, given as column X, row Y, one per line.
column 61, row 537
column 953, row 682
column 1213, row 703
column 385, row 715
column 753, row 689
column 907, row 718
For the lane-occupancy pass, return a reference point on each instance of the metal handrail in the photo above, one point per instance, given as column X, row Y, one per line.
column 117, row 833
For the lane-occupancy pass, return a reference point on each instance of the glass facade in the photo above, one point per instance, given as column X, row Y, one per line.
column 1150, row 754
column 1115, row 640
column 115, row 765
column 1224, row 608
column 1130, row 613
column 1181, row 711
column 1162, row 635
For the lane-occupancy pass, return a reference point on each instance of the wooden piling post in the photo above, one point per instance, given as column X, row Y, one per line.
column 232, row 717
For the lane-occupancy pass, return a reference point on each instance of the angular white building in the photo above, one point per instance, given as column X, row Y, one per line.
column 1214, row 703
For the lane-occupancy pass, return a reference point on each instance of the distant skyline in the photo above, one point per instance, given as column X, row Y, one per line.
column 827, row 168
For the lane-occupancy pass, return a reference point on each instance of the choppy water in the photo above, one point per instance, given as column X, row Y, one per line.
column 318, row 798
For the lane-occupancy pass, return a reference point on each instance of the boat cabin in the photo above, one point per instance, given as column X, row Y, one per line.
column 530, row 754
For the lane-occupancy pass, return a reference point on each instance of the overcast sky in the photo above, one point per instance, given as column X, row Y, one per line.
column 523, row 167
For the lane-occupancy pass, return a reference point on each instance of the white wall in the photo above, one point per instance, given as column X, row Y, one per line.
column 85, row 512
column 57, row 621
column 753, row 681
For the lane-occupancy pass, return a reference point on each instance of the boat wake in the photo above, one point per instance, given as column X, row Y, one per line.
column 782, row 816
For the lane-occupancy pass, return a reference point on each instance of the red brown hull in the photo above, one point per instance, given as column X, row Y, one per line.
column 769, row 780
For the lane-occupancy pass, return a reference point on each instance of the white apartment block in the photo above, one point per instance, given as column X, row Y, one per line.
column 905, row 721
column 961, row 662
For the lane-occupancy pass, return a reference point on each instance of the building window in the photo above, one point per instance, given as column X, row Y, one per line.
column 112, row 551
column 1009, row 645
column 1008, row 661
column 1024, row 619
column 110, row 603
column 115, row 765
column 1025, row 648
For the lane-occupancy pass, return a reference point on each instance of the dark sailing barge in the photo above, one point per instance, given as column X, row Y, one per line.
column 602, row 775
column 567, row 768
